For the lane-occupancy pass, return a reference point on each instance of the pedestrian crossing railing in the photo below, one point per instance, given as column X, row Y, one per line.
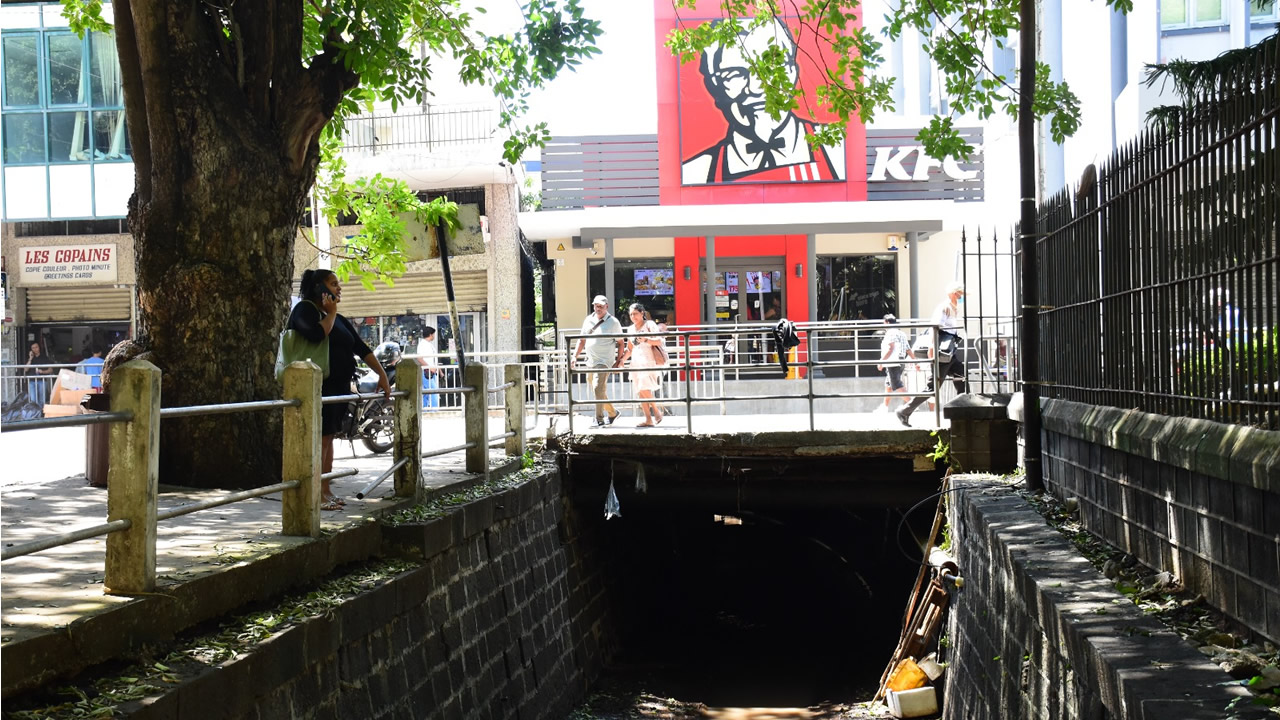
column 134, row 446
column 703, row 357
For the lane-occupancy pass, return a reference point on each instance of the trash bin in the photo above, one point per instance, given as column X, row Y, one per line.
column 97, row 441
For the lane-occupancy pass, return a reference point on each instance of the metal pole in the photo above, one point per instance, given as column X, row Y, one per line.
column 448, row 290
column 1027, row 239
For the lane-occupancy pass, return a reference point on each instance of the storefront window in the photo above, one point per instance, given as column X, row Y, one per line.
column 649, row 282
column 857, row 287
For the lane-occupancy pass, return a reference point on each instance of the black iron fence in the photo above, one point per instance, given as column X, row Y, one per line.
column 1159, row 279
column 991, row 313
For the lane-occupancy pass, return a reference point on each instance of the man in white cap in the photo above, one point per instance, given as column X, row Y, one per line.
column 602, row 353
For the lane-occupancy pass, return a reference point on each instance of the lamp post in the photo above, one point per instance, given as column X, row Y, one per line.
column 1030, row 318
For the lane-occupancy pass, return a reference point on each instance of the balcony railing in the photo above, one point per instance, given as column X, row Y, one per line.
column 437, row 127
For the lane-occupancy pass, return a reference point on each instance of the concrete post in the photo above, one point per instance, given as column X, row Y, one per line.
column 408, row 442
column 133, row 479
column 301, row 456
column 475, row 415
column 514, row 407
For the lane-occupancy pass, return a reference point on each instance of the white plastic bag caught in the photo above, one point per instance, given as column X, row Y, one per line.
column 642, row 483
column 611, row 507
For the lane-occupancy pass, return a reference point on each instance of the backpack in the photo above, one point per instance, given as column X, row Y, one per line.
column 294, row 347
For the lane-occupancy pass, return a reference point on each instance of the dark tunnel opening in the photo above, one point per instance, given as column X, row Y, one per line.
column 775, row 606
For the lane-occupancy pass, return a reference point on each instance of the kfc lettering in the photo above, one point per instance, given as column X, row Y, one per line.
column 888, row 164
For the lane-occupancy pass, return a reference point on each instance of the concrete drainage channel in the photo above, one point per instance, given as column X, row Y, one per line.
column 519, row 602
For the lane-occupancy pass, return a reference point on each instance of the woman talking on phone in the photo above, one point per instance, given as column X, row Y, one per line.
column 314, row 318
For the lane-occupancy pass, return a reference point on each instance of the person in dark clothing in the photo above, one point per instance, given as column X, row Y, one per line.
column 313, row 318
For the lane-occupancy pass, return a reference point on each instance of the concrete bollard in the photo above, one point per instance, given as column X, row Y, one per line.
column 475, row 415
column 301, row 456
column 133, row 479
column 408, row 442
column 514, row 406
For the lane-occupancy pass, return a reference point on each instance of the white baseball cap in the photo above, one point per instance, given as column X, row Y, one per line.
column 600, row 300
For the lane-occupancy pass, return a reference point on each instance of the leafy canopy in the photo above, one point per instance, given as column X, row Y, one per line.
column 382, row 43
column 959, row 34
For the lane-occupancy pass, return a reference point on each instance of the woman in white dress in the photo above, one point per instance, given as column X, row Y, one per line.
column 644, row 354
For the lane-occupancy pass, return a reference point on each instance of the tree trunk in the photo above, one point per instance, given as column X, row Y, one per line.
column 222, row 179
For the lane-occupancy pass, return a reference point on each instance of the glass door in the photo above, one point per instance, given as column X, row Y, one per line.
column 749, row 293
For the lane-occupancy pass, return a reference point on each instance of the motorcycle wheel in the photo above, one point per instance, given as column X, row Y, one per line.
column 378, row 432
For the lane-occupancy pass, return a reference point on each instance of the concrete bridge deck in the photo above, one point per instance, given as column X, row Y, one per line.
column 55, row 596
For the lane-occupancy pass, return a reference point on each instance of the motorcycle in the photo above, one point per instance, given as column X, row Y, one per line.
column 372, row 421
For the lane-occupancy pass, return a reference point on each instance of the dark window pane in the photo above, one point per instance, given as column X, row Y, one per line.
column 110, row 137
column 104, row 71
column 68, row 137
column 24, row 138
column 857, row 287
column 65, row 72
column 21, row 79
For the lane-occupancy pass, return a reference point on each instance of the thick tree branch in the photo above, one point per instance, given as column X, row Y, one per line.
column 155, row 55
column 134, row 98
column 257, row 29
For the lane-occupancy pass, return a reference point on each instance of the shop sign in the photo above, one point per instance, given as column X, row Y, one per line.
column 69, row 265
column 899, row 169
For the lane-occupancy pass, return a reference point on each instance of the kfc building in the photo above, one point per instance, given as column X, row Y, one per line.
column 727, row 215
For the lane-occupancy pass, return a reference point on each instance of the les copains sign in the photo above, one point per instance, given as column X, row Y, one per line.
column 69, row 264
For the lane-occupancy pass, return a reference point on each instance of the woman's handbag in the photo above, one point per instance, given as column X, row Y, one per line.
column 660, row 353
column 294, row 347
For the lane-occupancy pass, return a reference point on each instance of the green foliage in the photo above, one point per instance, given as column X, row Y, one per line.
column 959, row 34
column 377, row 202
column 942, row 452
column 1245, row 371
column 378, row 41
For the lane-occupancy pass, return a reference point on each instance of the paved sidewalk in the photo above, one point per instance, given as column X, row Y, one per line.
column 43, row 492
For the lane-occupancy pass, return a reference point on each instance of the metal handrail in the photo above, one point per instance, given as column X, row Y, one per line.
column 227, row 408
column 335, row 399
column 335, row 474
column 812, row 332
column 61, row 539
column 446, row 451
column 226, row 500
column 70, row 421
column 390, row 471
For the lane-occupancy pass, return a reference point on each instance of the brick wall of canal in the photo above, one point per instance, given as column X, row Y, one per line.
column 505, row 617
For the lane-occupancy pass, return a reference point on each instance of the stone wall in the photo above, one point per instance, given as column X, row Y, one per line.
column 1037, row 632
column 1197, row 498
column 504, row 618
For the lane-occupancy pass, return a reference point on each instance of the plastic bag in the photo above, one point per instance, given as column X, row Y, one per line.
column 611, row 507
column 642, row 483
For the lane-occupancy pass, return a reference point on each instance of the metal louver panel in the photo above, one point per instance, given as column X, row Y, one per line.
column 56, row 304
column 420, row 293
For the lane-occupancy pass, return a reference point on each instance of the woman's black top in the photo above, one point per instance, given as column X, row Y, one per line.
column 345, row 345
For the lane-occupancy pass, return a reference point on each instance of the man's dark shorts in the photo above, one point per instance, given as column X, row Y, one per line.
column 894, row 380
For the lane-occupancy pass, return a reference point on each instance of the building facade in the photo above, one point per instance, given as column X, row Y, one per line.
column 728, row 216
column 66, row 175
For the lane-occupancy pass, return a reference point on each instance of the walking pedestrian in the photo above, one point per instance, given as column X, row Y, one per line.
column 646, row 357
column 893, row 347
column 949, row 318
column 602, row 353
